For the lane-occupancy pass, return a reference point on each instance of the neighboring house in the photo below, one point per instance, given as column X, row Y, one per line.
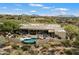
column 52, row 30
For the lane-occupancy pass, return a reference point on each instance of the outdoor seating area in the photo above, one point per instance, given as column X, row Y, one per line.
column 30, row 33
column 43, row 30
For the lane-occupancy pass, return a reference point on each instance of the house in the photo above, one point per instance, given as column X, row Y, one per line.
column 52, row 30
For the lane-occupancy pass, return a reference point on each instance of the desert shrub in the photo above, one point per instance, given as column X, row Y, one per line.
column 36, row 46
column 68, row 51
column 2, row 52
column 26, row 53
column 76, row 43
column 71, row 51
column 66, row 43
column 51, row 52
column 46, row 46
column 16, row 52
column 2, row 41
column 33, row 52
column 15, row 46
column 54, row 43
column 75, row 52
column 77, row 36
column 26, row 47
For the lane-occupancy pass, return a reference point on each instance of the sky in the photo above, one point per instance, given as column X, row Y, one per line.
column 43, row 9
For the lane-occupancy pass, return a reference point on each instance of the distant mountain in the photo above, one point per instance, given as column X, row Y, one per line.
column 54, row 16
column 35, row 15
column 67, row 16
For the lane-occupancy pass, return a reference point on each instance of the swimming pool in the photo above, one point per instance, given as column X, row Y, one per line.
column 29, row 40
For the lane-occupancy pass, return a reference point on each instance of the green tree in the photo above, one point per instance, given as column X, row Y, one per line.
column 9, row 26
column 72, row 30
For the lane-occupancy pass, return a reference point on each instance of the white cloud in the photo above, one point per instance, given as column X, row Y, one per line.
column 46, row 7
column 38, row 5
column 62, row 9
column 63, row 12
column 59, row 11
column 33, row 11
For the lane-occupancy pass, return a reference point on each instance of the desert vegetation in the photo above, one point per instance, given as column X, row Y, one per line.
column 10, row 44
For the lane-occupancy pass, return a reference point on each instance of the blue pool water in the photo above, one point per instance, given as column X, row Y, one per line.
column 29, row 40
